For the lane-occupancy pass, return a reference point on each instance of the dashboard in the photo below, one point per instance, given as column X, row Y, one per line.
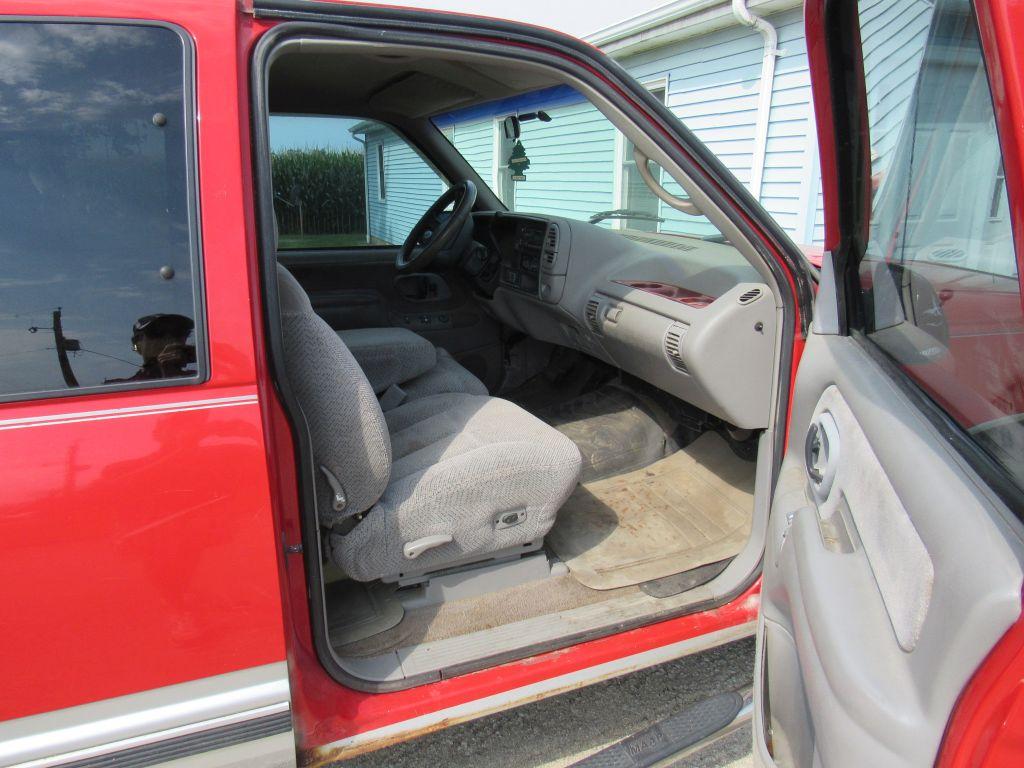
column 690, row 316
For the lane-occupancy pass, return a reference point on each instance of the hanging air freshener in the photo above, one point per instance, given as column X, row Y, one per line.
column 518, row 162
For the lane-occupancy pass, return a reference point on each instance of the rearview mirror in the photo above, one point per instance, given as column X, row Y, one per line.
column 511, row 126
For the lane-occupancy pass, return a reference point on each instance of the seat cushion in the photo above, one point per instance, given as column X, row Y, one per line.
column 460, row 462
column 445, row 377
column 389, row 355
column 399, row 356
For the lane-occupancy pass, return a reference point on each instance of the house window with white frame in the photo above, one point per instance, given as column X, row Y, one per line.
column 634, row 195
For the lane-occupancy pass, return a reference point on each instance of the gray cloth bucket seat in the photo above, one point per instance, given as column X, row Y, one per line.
column 402, row 366
column 442, row 480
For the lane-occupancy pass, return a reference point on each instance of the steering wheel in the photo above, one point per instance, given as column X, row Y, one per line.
column 431, row 235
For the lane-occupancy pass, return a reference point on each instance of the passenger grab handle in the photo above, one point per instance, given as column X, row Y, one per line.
column 414, row 549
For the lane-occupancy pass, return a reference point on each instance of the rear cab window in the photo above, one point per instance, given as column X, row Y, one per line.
column 940, row 284
column 99, row 248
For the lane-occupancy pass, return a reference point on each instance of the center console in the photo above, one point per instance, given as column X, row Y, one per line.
column 529, row 257
column 521, row 255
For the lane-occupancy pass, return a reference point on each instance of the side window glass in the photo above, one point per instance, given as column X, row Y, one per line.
column 940, row 282
column 346, row 183
column 98, row 240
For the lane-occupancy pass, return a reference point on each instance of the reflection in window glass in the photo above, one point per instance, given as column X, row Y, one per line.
column 96, row 248
column 940, row 277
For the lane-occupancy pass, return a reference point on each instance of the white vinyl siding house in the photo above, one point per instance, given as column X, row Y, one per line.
column 475, row 141
column 577, row 183
column 713, row 86
column 410, row 185
column 711, row 82
column 710, row 69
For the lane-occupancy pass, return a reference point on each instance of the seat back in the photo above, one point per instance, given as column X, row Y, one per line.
column 351, row 445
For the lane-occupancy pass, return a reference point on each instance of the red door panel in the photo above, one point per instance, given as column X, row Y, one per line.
column 137, row 549
column 137, row 543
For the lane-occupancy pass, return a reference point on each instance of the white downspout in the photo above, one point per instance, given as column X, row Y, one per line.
column 764, row 101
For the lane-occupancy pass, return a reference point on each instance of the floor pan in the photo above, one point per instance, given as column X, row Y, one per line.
column 687, row 510
column 461, row 617
column 616, row 431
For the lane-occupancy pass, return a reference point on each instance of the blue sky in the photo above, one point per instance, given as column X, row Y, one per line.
column 301, row 132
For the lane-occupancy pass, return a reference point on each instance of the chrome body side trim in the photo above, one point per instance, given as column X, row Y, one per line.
column 127, row 722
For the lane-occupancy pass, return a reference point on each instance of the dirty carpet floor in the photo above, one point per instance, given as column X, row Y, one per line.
column 689, row 509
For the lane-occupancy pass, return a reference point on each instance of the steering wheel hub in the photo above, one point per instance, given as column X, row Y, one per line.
column 430, row 235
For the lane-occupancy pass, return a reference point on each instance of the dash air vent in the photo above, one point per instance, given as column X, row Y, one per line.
column 661, row 242
column 551, row 246
column 749, row 297
column 593, row 308
column 674, row 346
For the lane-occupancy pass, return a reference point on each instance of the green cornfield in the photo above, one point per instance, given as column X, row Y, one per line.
column 319, row 192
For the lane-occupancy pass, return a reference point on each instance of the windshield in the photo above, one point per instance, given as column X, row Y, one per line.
column 567, row 160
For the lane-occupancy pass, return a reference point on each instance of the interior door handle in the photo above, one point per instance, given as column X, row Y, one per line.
column 821, row 454
column 425, row 286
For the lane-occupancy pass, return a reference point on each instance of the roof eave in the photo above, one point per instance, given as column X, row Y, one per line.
column 675, row 21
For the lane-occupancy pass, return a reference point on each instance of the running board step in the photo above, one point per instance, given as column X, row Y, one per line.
column 694, row 727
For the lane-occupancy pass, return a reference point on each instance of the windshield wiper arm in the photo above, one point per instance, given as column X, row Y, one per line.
column 623, row 213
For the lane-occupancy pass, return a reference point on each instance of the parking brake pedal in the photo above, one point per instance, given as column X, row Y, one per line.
column 676, row 734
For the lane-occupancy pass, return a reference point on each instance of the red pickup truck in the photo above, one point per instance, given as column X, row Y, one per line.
column 311, row 448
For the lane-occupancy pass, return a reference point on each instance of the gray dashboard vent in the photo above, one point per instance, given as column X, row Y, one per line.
column 661, row 242
column 593, row 307
column 748, row 297
column 551, row 246
column 674, row 346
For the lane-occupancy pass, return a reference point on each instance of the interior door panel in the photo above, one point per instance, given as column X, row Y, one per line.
column 884, row 592
column 360, row 288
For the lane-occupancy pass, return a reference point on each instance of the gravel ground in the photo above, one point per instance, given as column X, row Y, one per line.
column 557, row 732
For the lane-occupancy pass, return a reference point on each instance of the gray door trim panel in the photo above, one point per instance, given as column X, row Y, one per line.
column 870, row 700
column 256, row 695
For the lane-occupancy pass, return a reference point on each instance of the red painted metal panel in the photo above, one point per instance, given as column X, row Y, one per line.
column 986, row 729
column 140, row 551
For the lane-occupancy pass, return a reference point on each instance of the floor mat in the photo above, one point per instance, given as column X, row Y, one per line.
column 615, row 430
column 357, row 610
column 461, row 617
column 687, row 510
